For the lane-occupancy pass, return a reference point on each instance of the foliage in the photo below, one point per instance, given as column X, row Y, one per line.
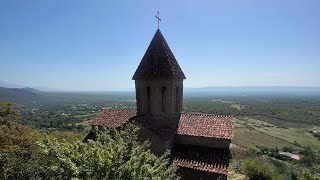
column 69, row 136
column 288, row 149
column 291, row 108
column 255, row 170
column 66, row 110
column 311, row 157
column 3, row 162
column 26, row 153
column 316, row 134
column 7, row 111
column 65, row 116
column 238, row 155
column 308, row 175
column 15, row 139
column 116, row 154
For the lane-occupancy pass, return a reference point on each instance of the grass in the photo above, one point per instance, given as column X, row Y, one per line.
column 293, row 135
column 251, row 139
column 250, row 133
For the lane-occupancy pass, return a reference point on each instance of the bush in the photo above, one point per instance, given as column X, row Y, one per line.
column 116, row 154
column 255, row 170
column 287, row 149
column 308, row 175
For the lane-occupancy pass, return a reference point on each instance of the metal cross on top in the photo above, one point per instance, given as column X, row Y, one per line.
column 158, row 17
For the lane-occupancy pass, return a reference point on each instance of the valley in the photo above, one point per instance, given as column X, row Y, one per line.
column 264, row 125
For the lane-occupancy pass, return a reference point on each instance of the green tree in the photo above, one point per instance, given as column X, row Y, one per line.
column 3, row 162
column 307, row 175
column 116, row 154
column 255, row 170
column 6, row 111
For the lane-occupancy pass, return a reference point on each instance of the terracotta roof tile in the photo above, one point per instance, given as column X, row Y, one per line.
column 113, row 118
column 201, row 158
column 203, row 125
column 158, row 62
column 206, row 125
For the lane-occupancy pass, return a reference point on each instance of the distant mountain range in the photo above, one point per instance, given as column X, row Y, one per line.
column 23, row 96
column 40, row 88
column 19, row 95
column 254, row 90
column 26, row 95
column 202, row 90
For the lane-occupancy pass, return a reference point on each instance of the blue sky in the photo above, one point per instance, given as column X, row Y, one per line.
column 97, row 45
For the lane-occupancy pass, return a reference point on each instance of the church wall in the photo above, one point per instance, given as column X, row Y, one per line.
column 202, row 141
column 158, row 146
column 155, row 97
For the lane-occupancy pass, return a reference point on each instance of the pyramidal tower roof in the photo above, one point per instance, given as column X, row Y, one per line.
column 158, row 62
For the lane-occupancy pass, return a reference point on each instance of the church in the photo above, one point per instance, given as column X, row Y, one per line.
column 199, row 143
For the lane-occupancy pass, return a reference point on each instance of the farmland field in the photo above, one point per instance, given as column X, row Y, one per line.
column 253, row 133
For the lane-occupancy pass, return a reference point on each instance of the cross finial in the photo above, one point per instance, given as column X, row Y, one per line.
column 158, row 17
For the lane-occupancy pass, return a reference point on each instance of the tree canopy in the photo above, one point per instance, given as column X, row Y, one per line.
column 254, row 170
column 116, row 154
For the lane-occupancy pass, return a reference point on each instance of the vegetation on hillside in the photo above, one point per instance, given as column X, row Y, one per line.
column 26, row 153
column 256, row 166
column 292, row 109
column 254, row 169
column 7, row 111
column 308, row 175
column 254, row 133
column 297, row 109
column 264, row 125
column 114, row 155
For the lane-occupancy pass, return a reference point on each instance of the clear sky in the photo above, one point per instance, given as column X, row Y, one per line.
column 97, row 45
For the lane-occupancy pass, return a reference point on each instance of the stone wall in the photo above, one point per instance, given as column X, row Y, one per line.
column 203, row 141
column 158, row 145
column 156, row 97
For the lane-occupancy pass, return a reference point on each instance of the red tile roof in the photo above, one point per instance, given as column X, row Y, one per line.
column 113, row 118
column 202, row 125
column 158, row 62
column 206, row 125
column 201, row 158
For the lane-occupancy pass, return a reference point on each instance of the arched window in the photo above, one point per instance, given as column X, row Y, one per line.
column 148, row 99
column 163, row 99
column 177, row 100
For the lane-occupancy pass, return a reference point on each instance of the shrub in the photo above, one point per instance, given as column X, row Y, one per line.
column 255, row 170
column 308, row 175
column 116, row 154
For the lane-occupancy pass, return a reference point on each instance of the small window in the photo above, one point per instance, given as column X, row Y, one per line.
column 163, row 99
column 148, row 99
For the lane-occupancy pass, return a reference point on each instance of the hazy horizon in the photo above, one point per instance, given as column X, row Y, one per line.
column 189, row 89
column 97, row 46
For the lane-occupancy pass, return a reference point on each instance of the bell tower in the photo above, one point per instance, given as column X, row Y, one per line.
column 159, row 82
